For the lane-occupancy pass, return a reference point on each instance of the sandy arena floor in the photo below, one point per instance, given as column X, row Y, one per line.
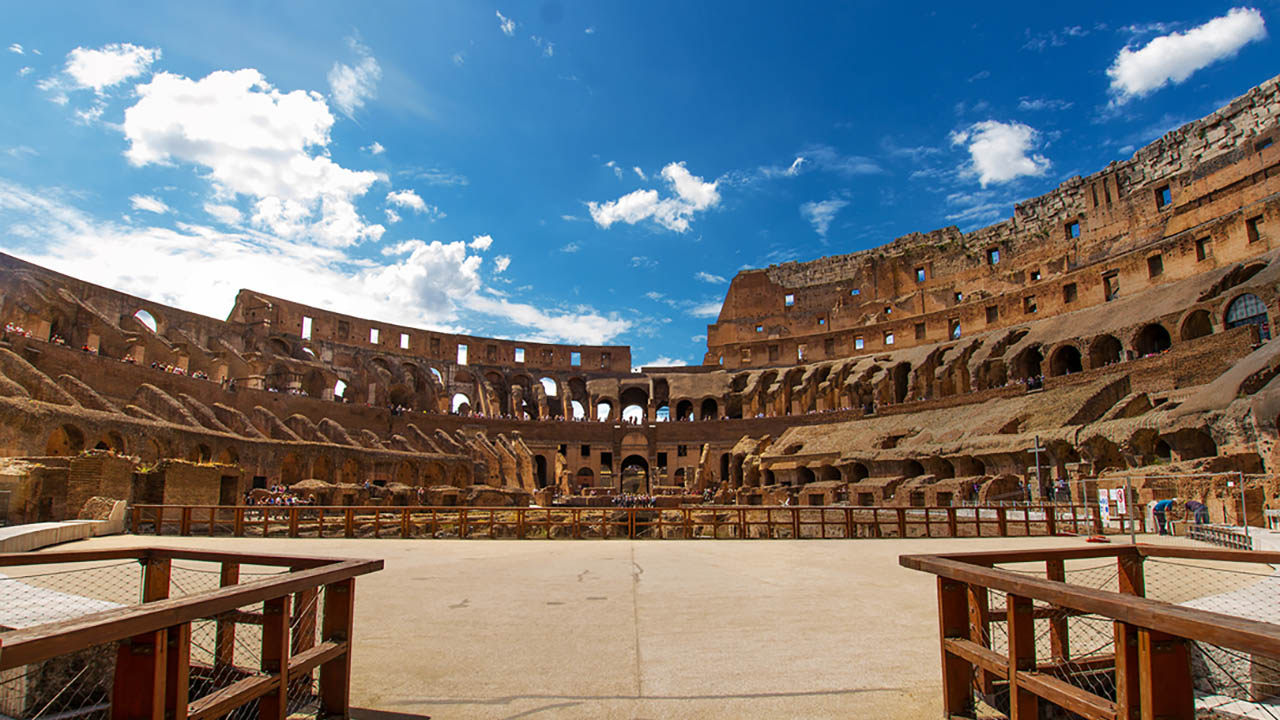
column 645, row 629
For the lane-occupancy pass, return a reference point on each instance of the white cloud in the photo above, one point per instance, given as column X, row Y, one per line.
column 617, row 171
column 820, row 214
column 109, row 65
column 25, row 71
column 507, row 24
column 350, row 86
column 481, row 242
column 254, row 141
column 548, row 48
column 639, row 173
column 225, row 214
column 436, row 176
column 590, row 31
column 459, row 59
column 707, row 277
column 91, row 114
column 643, row 261
column 999, row 151
column 1034, row 104
column 374, row 149
column 572, row 247
column 664, row 361
column 691, row 195
column 501, row 263
column 706, row 310
column 393, row 217
column 1174, row 57
column 149, row 204
column 15, row 48
column 407, row 199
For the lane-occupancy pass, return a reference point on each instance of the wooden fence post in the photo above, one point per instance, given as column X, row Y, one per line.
column 957, row 673
column 1020, row 621
column 138, row 686
column 1164, row 677
column 275, row 657
column 225, row 632
column 335, row 675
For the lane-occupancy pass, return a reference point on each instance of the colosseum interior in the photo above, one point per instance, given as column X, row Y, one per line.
column 1116, row 326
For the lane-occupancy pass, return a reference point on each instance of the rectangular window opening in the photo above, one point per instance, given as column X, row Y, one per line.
column 1073, row 229
column 773, row 353
column 759, row 328
column 1155, row 266
column 829, row 347
column 575, row 359
column 855, row 292
column 586, row 451
column 606, row 359
column 1164, row 197
column 344, row 329
column 888, row 338
column 519, row 355
column 1203, row 249
column 993, row 256
column 789, row 300
column 1110, row 286
column 920, row 331
column 373, row 336
column 1035, row 276
column 859, row 343
column 822, row 321
column 682, row 450
column 1094, row 189
column 1029, row 304
column 800, row 351
column 953, row 328
column 462, row 354
column 1253, row 228
column 1069, row 293
column 306, row 327
column 959, row 297
column 404, row 341
column 919, row 274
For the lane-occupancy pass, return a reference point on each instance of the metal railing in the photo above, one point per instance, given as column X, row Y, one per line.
column 1152, row 631
column 170, row 633
column 690, row 522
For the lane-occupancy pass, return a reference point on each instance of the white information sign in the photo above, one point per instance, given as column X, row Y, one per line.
column 1105, row 507
column 1118, row 499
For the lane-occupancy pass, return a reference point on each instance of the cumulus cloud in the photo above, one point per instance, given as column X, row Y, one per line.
column 1174, row 57
column 689, row 194
column 707, row 277
column 407, row 199
column 420, row 284
column 1000, row 151
column 820, row 214
column 664, row 361
column 109, row 65
column 255, row 141
column 501, row 263
column 374, row 149
column 481, row 242
column 350, row 86
column 507, row 24
column 147, row 203
column 706, row 310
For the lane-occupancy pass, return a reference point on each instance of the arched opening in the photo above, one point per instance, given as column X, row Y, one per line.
column 858, row 471
column 709, row 409
column 406, row 474
column 549, row 387
column 400, row 396
column 633, row 414
column 229, row 456
column 340, row 390
column 827, row 472
column 724, row 467
column 200, row 453
column 769, row 479
column 1161, row 450
column 290, row 469
column 322, row 469
column 540, row 470
column 461, row 404
column 148, row 320
column 663, row 413
column 585, row 478
column 912, row 468
column 684, row 411
column 1248, row 310
column 901, row 375
column 635, row 474
column 1193, row 444
column 351, row 472
column 439, row 377
column 578, row 412
column 1105, row 350
column 1028, row 363
column 1065, row 360
column 604, row 411
column 1198, row 324
column 677, row 478
column 1152, row 340
column 66, row 440
column 804, row 475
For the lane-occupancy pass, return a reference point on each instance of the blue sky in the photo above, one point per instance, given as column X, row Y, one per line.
column 565, row 172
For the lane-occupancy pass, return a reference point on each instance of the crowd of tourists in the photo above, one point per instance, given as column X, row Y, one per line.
column 633, row 500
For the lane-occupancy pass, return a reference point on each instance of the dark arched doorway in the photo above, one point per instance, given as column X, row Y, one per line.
column 1152, row 340
column 635, row 474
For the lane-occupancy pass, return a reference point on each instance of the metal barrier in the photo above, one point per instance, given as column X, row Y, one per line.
column 167, row 633
column 1273, row 519
column 690, row 522
column 1108, row 641
column 1222, row 535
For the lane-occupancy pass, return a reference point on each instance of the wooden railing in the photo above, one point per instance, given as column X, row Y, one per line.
column 151, row 673
column 730, row 521
column 1149, row 673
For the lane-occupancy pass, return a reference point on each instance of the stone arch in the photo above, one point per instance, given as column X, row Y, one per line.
column 635, row 474
column 150, row 320
column 709, row 409
column 65, row 440
column 912, row 468
column 968, row 466
column 804, row 475
column 635, row 404
column 724, row 467
column 1152, row 339
column 584, row 478
column 229, row 456
column 322, row 468
column 1196, row 324
column 604, row 410
column 828, row 472
column 200, row 453
column 461, row 404
column 351, row 472
column 291, row 469
column 1028, row 363
column 1065, row 361
column 858, row 471
column 1105, row 350
column 406, row 473
column 1194, row 444
column 1247, row 309
column 901, row 379
column 684, row 410
column 540, row 476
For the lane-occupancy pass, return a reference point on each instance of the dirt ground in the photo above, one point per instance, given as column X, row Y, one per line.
column 622, row 629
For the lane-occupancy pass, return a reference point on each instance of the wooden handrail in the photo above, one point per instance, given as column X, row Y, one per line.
column 28, row 645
